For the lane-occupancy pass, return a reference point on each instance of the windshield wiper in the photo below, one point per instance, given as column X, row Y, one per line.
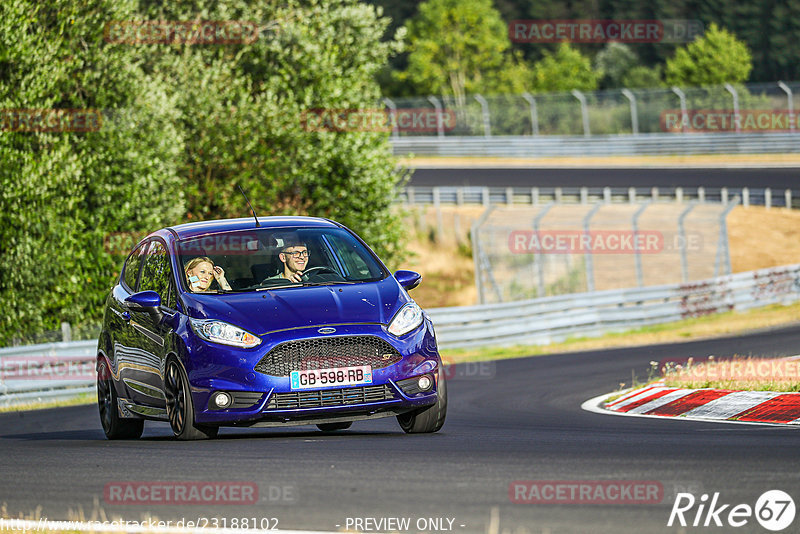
column 277, row 287
column 312, row 284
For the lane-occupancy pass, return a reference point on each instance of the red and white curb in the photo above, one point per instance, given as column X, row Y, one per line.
column 718, row 405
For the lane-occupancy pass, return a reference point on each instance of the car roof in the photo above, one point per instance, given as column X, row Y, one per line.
column 196, row 229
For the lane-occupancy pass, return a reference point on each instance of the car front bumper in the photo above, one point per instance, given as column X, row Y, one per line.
column 266, row 400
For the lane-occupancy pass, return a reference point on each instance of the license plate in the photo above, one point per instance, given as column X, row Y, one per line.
column 338, row 376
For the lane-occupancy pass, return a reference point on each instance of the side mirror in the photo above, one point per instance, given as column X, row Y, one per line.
column 408, row 279
column 145, row 301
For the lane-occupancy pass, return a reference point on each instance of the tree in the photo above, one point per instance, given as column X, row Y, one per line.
column 461, row 46
column 643, row 77
column 613, row 62
column 63, row 192
column 243, row 107
column 564, row 70
column 182, row 124
column 716, row 58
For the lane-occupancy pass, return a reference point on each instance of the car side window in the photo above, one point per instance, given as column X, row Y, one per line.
column 156, row 273
column 356, row 267
column 132, row 266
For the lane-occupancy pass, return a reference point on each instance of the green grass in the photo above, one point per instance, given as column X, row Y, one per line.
column 722, row 324
column 83, row 398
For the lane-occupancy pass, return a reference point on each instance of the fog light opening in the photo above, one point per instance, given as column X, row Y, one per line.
column 222, row 400
column 425, row 383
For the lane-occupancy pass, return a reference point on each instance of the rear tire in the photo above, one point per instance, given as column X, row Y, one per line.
column 114, row 426
column 429, row 419
column 333, row 427
column 180, row 408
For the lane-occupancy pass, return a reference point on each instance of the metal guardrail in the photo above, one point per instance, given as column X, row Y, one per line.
column 462, row 195
column 48, row 371
column 598, row 145
column 64, row 370
column 550, row 319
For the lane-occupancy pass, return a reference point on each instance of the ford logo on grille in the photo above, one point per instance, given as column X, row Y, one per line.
column 326, row 330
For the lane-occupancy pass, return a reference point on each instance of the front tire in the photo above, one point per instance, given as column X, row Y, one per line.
column 429, row 419
column 180, row 408
column 114, row 426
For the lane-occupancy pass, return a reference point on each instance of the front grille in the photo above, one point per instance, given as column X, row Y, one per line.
column 327, row 353
column 244, row 399
column 329, row 397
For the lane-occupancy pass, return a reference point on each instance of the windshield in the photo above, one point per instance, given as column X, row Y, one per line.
column 260, row 259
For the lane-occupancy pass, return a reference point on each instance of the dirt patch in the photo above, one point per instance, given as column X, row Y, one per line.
column 442, row 254
column 762, row 238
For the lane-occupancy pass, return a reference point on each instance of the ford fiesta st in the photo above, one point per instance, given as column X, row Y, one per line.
column 273, row 322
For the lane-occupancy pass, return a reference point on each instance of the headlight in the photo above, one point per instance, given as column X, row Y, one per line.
column 221, row 332
column 407, row 319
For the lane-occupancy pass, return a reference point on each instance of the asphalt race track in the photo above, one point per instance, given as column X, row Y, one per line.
column 518, row 421
column 776, row 177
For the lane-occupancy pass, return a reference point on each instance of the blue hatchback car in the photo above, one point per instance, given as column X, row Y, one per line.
column 269, row 322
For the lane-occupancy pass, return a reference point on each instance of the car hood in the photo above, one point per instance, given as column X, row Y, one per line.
column 261, row 312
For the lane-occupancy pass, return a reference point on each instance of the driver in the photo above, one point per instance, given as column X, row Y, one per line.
column 294, row 256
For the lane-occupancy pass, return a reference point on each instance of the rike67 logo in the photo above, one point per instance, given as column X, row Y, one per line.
column 774, row 510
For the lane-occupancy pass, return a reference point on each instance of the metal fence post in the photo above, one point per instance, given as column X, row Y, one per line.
column 390, row 104
column 746, row 197
column 634, row 115
column 437, row 206
column 584, row 111
column 631, row 195
column 477, row 253
column 534, row 195
column 509, row 195
column 439, row 118
column 736, row 118
column 607, row 195
column 487, row 124
column 66, row 331
column 682, row 234
column 584, row 195
column 724, row 195
column 654, row 194
column 684, row 113
column 637, row 258
column 701, row 194
column 787, row 199
column 723, row 247
column 767, row 198
column 679, row 195
column 537, row 257
column 485, row 200
column 788, row 92
column 534, row 113
column 589, row 259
